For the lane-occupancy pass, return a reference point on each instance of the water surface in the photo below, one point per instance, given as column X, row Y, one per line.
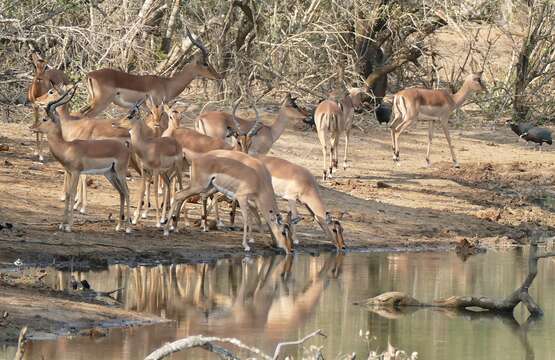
column 263, row 301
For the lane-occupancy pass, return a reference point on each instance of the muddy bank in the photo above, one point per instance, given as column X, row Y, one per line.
column 25, row 300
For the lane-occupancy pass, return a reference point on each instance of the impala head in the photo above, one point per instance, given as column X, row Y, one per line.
column 474, row 82
column 337, row 231
column 39, row 62
column 356, row 97
column 156, row 112
column 51, row 122
column 292, row 110
column 201, row 62
column 281, row 231
column 55, row 93
column 175, row 115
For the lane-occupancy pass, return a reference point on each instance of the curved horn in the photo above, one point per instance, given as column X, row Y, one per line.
column 135, row 109
column 233, row 118
column 257, row 124
column 64, row 99
column 197, row 43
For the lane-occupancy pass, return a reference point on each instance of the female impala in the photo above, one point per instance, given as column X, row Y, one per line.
column 332, row 119
column 237, row 176
column 159, row 156
column 217, row 124
column 103, row 157
column 75, row 127
column 108, row 86
column 295, row 183
column 410, row 105
column 42, row 82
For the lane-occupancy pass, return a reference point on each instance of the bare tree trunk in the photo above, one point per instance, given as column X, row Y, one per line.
column 166, row 40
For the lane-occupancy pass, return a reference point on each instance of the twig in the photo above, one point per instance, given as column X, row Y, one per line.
column 297, row 342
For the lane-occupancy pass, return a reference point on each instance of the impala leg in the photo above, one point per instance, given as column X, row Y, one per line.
column 219, row 223
column 232, row 213
column 112, row 178
column 180, row 198
column 141, row 198
column 167, row 190
column 204, row 215
column 147, row 198
column 243, row 204
column 294, row 215
column 66, row 184
column 72, row 190
column 123, row 181
column 347, row 136
column 430, row 135
column 156, row 177
column 324, row 153
column 38, row 150
column 66, row 201
column 84, row 194
column 444, row 125
column 398, row 131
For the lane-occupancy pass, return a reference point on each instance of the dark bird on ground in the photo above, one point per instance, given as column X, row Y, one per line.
column 85, row 284
column 73, row 283
column 520, row 128
column 383, row 113
column 538, row 135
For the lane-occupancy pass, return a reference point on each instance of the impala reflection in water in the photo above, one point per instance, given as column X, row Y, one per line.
column 263, row 301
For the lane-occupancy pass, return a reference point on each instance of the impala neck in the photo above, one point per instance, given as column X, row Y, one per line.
column 63, row 112
column 278, row 126
column 181, row 80
column 137, row 133
column 460, row 96
column 56, row 143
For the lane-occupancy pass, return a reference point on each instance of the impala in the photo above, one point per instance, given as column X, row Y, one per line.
column 410, row 105
column 333, row 118
column 75, row 127
column 108, row 86
column 238, row 176
column 192, row 143
column 159, row 156
column 218, row 124
column 102, row 157
column 42, row 82
column 295, row 183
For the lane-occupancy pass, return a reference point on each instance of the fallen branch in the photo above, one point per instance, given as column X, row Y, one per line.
column 207, row 343
column 505, row 306
column 298, row 342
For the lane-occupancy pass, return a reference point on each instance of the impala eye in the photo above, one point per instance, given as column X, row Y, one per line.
column 51, row 92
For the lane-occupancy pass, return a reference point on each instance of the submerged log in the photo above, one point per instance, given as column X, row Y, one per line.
column 520, row 295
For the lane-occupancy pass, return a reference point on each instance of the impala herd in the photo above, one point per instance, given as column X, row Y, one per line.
column 225, row 155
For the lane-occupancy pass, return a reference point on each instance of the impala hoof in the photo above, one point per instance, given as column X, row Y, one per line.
column 128, row 230
column 456, row 165
column 251, row 240
column 166, row 232
column 83, row 211
column 135, row 221
column 247, row 248
column 158, row 224
column 63, row 198
column 144, row 215
column 296, row 241
column 67, row 228
column 41, row 158
column 118, row 227
column 61, row 227
column 220, row 224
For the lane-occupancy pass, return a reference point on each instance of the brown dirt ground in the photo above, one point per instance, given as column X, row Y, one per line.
column 500, row 196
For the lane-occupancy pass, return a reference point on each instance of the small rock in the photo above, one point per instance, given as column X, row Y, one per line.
column 4, row 147
column 382, row 185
